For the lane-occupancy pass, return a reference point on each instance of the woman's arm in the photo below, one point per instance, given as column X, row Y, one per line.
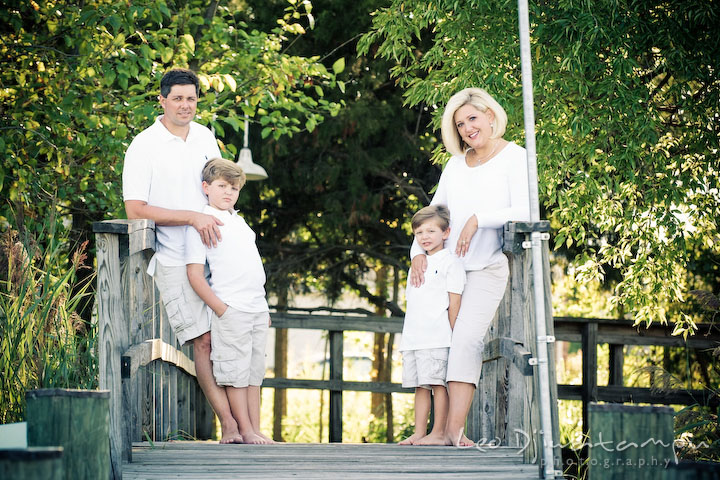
column 517, row 185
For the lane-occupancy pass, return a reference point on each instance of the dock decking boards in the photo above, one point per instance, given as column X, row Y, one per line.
column 209, row 460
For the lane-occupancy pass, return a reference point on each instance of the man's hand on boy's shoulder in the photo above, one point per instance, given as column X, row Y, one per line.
column 207, row 227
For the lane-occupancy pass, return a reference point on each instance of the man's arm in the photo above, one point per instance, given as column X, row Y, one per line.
column 453, row 308
column 206, row 225
column 196, row 276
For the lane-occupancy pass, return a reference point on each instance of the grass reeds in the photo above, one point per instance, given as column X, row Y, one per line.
column 44, row 343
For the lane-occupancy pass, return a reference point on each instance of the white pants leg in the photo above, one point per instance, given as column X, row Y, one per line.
column 482, row 295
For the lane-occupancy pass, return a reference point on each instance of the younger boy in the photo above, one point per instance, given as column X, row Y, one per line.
column 236, row 295
column 431, row 312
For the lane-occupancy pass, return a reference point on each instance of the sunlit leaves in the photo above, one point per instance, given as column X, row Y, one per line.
column 81, row 80
column 626, row 97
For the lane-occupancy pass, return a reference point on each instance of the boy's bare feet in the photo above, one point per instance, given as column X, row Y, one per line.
column 459, row 440
column 254, row 439
column 412, row 439
column 230, row 434
column 433, row 439
column 267, row 439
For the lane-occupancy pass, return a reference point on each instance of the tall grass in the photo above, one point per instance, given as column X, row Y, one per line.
column 44, row 343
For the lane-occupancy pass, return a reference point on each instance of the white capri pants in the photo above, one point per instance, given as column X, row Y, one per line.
column 480, row 300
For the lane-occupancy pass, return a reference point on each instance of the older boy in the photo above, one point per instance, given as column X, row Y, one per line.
column 432, row 309
column 161, row 181
column 236, row 295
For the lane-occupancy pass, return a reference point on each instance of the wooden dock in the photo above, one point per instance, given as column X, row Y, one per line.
column 209, row 460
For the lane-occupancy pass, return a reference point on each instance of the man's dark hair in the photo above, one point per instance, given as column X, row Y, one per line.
column 178, row 76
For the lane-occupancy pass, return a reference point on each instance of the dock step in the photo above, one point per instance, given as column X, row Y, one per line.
column 209, row 460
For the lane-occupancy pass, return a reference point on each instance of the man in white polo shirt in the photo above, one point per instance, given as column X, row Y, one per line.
column 162, row 181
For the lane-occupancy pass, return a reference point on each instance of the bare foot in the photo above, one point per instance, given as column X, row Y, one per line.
column 230, row 434
column 460, row 440
column 237, row 438
column 254, row 439
column 267, row 439
column 412, row 439
column 434, row 439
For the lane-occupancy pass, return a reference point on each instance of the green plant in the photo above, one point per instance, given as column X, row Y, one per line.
column 697, row 429
column 44, row 343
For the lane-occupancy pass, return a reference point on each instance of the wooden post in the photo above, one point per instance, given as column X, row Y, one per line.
column 505, row 407
column 78, row 421
column 630, row 442
column 33, row 463
column 589, row 371
column 119, row 293
column 617, row 360
column 336, row 375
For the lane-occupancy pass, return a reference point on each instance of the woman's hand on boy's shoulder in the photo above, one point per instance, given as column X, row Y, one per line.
column 417, row 270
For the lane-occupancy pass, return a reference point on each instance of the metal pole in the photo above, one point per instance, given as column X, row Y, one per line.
column 537, row 266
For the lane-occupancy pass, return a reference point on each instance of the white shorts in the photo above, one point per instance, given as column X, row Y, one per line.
column 238, row 348
column 424, row 367
column 480, row 300
column 187, row 313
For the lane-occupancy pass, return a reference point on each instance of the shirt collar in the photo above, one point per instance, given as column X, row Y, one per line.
column 166, row 135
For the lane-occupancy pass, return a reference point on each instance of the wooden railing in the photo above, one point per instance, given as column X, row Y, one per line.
column 154, row 392
column 591, row 332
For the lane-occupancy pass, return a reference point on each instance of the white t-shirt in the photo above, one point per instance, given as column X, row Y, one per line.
column 237, row 275
column 496, row 192
column 426, row 322
column 166, row 171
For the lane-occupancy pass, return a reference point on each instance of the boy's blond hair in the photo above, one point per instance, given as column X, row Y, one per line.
column 440, row 212
column 225, row 169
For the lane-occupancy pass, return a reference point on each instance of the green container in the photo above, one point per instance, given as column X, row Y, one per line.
column 34, row 463
column 630, row 442
column 78, row 421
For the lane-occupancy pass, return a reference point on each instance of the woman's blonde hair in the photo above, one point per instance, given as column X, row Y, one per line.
column 478, row 98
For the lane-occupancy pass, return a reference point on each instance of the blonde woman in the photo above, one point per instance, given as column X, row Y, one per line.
column 484, row 185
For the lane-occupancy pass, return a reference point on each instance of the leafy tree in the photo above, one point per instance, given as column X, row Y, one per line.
column 626, row 96
column 338, row 199
column 81, row 79
column 337, row 203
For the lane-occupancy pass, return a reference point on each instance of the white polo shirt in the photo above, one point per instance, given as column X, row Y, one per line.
column 237, row 275
column 426, row 322
column 166, row 171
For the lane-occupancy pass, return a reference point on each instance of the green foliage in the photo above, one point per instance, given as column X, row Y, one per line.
column 43, row 341
column 337, row 203
column 626, row 97
column 80, row 80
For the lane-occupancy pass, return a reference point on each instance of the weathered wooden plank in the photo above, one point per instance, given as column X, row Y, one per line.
column 616, row 362
column 488, row 396
column 337, row 322
column 589, row 370
column 77, row 421
column 328, row 461
column 137, row 235
column 631, row 442
column 336, row 375
column 619, row 394
column 335, row 385
column 139, row 355
column 113, row 338
column 623, row 332
column 32, row 463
